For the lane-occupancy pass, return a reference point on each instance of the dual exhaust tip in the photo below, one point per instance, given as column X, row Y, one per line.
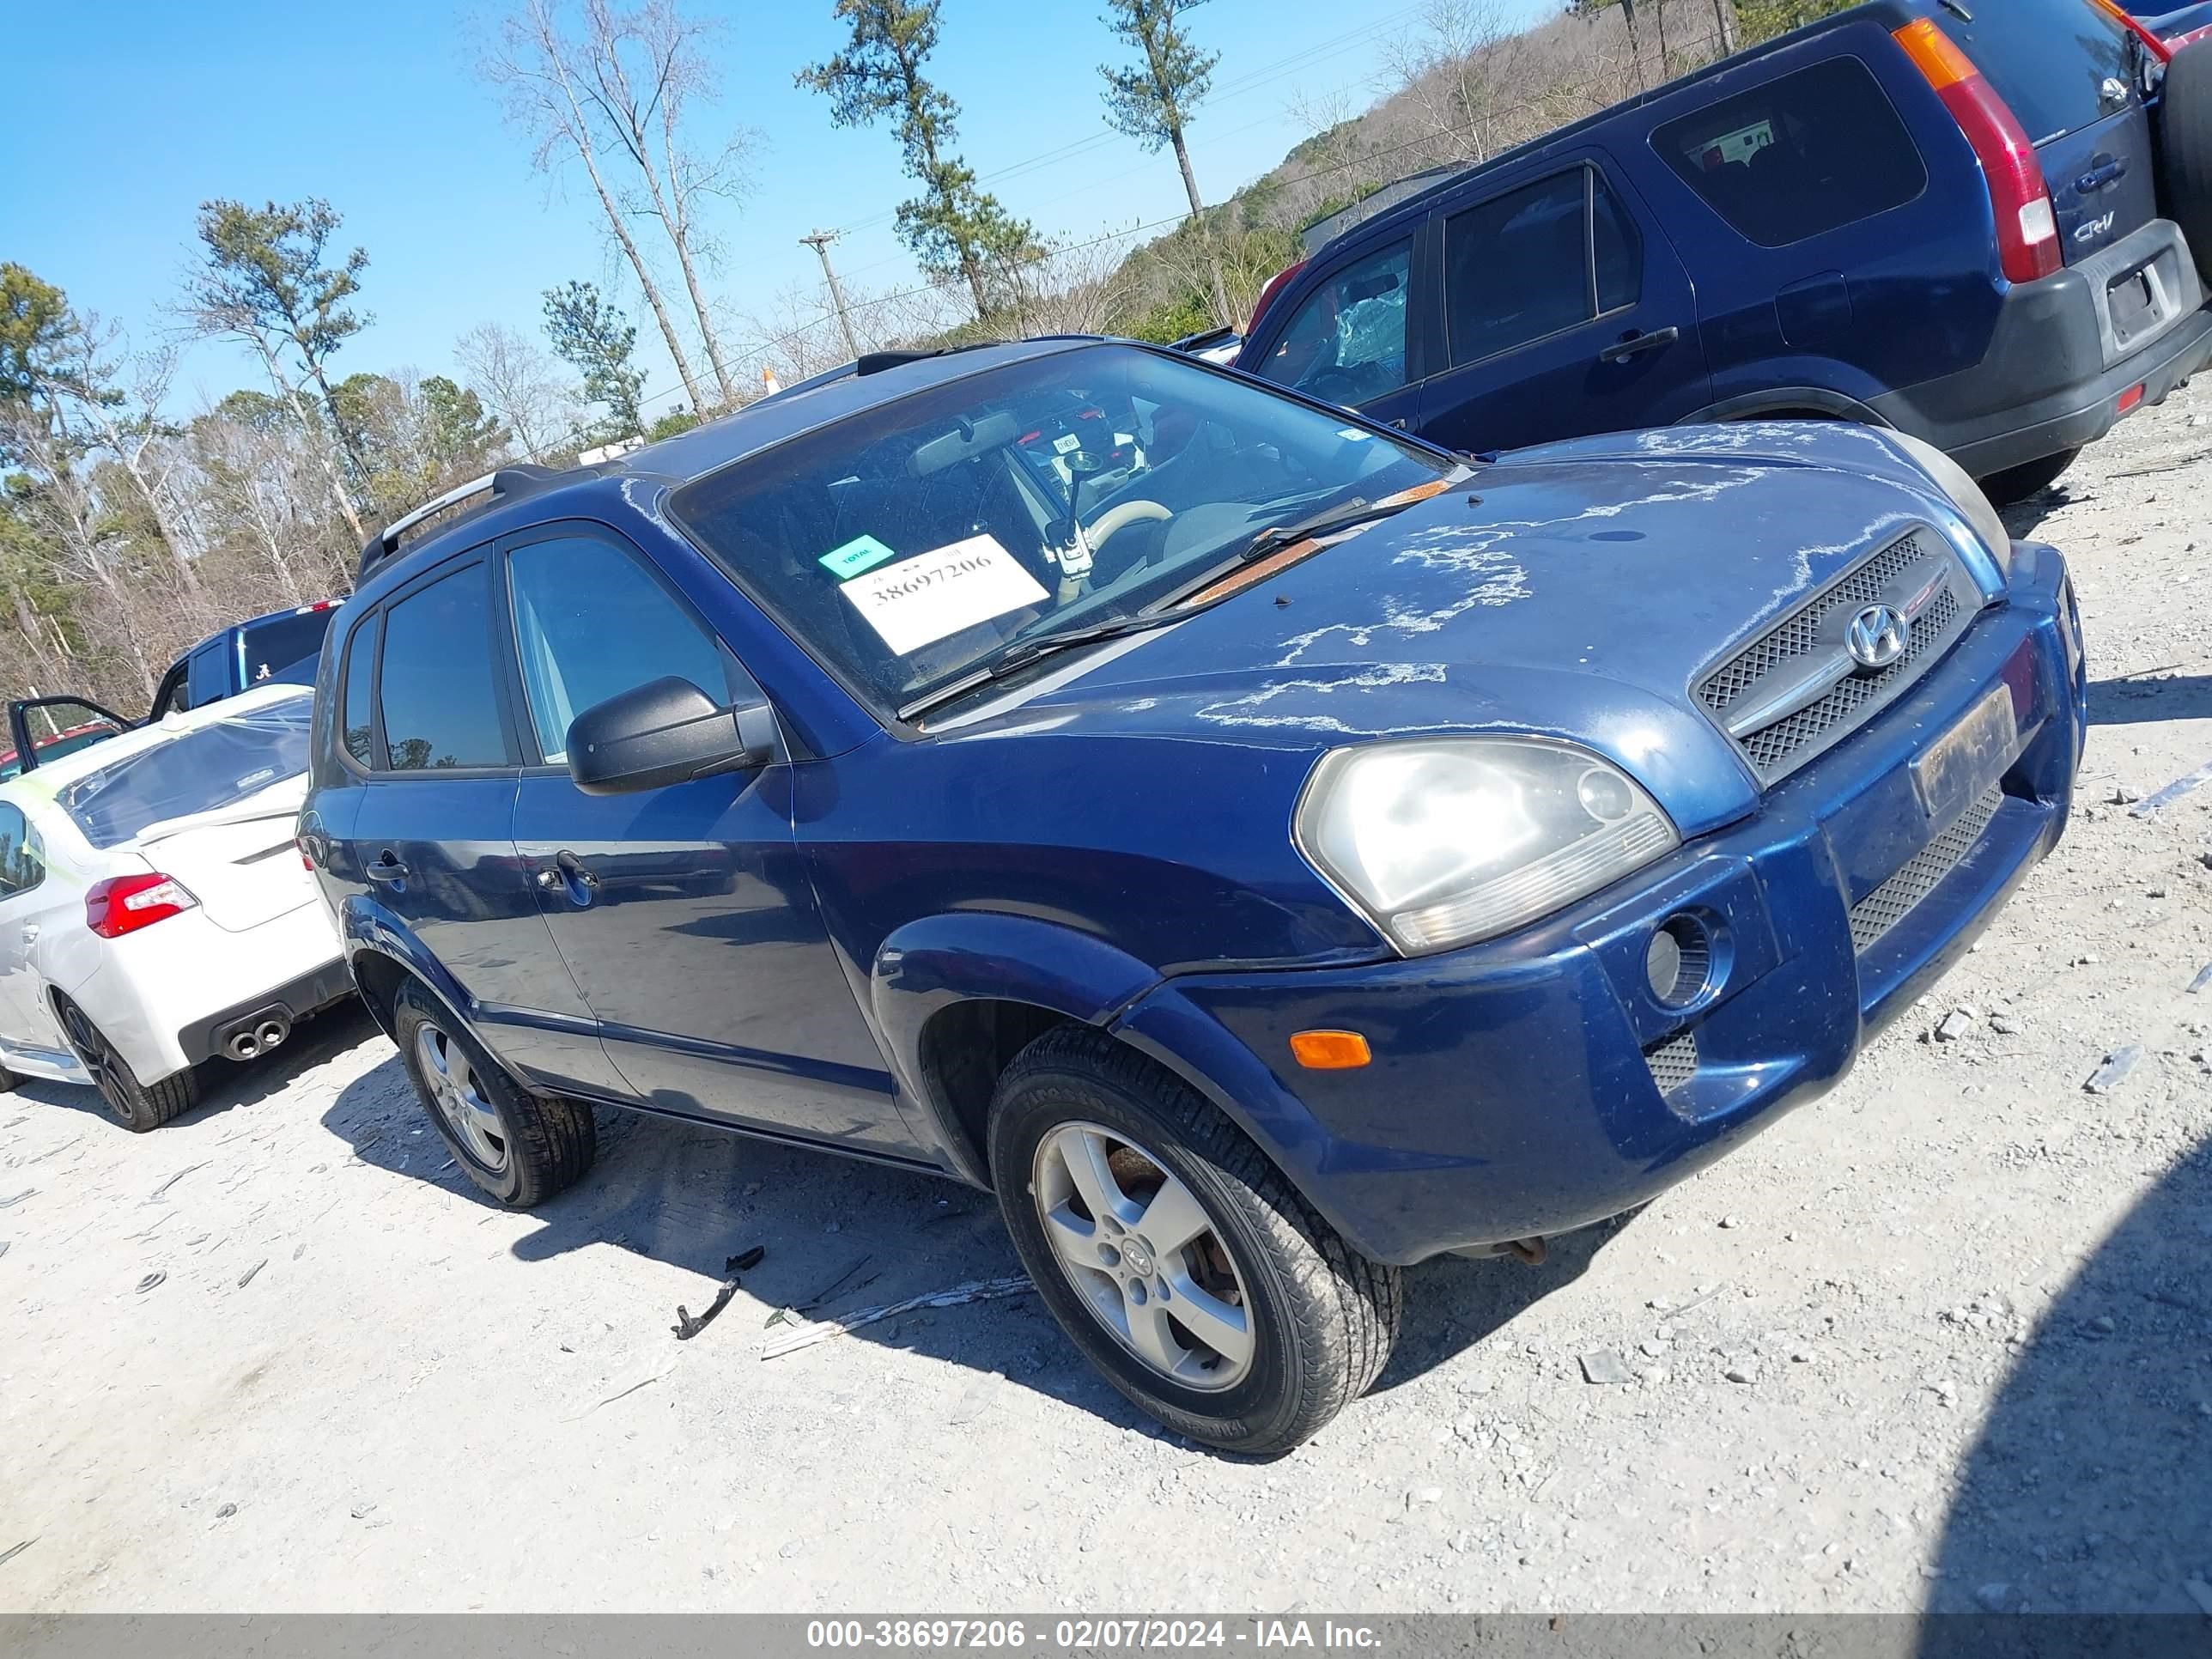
column 257, row 1036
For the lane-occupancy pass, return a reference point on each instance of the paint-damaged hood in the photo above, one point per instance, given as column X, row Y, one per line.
column 1576, row 591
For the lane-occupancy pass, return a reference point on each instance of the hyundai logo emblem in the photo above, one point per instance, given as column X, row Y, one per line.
column 1876, row 636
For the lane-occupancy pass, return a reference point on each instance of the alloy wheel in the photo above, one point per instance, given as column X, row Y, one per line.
column 92, row 1053
column 458, row 1097
column 1141, row 1251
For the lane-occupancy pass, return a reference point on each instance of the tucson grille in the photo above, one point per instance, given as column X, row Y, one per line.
column 1673, row 1062
column 1891, row 902
column 1785, row 651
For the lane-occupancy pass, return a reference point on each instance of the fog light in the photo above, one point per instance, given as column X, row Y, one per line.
column 1679, row 961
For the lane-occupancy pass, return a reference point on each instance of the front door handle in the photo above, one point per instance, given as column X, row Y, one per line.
column 30, row 933
column 1621, row 350
column 387, row 867
column 575, row 870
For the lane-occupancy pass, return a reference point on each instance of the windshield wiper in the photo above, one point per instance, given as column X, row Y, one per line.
column 1025, row 652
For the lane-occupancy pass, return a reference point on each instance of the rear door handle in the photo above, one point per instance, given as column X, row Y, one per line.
column 1621, row 350
column 30, row 933
column 387, row 867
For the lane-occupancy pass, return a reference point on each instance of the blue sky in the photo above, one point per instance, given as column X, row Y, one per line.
column 127, row 113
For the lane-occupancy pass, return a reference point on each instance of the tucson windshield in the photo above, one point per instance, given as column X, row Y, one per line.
column 910, row 545
column 196, row 771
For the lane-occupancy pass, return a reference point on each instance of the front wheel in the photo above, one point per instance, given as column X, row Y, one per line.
column 1177, row 1257
column 519, row 1148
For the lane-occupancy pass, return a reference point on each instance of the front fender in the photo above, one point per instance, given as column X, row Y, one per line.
column 932, row 963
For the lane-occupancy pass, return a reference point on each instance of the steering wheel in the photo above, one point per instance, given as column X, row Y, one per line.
column 1122, row 513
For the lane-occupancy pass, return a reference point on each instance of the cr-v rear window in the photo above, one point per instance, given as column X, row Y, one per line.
column 2048, row 60
column 1798, row 155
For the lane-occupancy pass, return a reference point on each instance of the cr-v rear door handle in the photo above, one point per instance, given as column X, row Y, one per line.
column 1621, row 350
column 2097, row 177
column 387, row 867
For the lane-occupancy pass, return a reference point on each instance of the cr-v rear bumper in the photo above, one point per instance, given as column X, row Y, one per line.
column 2066, row 347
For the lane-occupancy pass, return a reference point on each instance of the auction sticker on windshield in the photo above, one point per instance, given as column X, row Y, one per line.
column 933, row 595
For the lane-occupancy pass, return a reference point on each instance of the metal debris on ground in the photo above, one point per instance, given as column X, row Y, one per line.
column 226, row 1511
column 805, row 1335
column 173, row 1180
column 11, row 1203
column 2203, row 978
column 14, row 1550
column 2180, row 787
column 247, row 1278
column 2118, row 1064
column 151, row 1280
column 1603, row 1365
column 652, row 1369
column 685, row 1327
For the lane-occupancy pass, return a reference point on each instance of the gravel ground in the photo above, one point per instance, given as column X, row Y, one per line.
column 1937, row 1340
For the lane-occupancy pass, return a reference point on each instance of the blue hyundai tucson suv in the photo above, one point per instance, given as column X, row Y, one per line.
column 1264, row 849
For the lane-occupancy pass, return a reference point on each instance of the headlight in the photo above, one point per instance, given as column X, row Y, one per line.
column 1966, row 494
column 1444, row 842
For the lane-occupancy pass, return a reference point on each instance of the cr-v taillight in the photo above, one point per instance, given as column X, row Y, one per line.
column 2027, row 230
column 123, row 905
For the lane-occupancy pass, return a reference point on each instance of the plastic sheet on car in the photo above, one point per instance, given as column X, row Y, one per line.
column 202, row 769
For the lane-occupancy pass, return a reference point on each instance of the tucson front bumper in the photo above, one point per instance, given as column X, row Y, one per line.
column 1536, row 1083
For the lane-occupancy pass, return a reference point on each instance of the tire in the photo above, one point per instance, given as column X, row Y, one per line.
column 2185, row 123
column 2017, row 484
column 1318, row 1318
column 138, row 1107
column 518, row 1148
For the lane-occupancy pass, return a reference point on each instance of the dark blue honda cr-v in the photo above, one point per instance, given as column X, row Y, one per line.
column 1263, row 848
column 1962, row 222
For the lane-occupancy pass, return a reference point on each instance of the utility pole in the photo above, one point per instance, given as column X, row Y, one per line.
column 819, row 241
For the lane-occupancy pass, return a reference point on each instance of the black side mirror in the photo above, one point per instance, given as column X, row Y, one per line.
column 666, row 731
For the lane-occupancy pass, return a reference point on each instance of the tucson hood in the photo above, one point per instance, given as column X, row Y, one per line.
column 1577, row 590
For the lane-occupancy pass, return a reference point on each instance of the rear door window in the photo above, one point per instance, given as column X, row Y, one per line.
column 440, row 709
column 1803, row 154
column 208, row 675
column 1347, row 342
column 197, row 771
column 590, row 625
column 1544, row 257
column 2048, row 60
column 360, row 730
column 22, row 866
column 277, row 643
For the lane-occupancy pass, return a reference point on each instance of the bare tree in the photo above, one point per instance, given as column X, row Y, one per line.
column 547, row 80
column 1453, row 68
column 508, row 371
column 644, row 114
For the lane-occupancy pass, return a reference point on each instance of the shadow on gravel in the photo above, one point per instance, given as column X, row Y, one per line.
column 842, row 1234
column 2090, row 1490
column 226, row 1084
column 2133, row 701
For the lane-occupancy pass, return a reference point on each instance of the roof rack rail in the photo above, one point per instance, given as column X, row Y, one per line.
column 523, row 478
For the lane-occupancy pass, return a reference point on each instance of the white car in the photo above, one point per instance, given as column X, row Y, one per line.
column 154, row 911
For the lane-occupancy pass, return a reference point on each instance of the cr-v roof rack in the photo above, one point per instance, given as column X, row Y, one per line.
column 523, row 478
